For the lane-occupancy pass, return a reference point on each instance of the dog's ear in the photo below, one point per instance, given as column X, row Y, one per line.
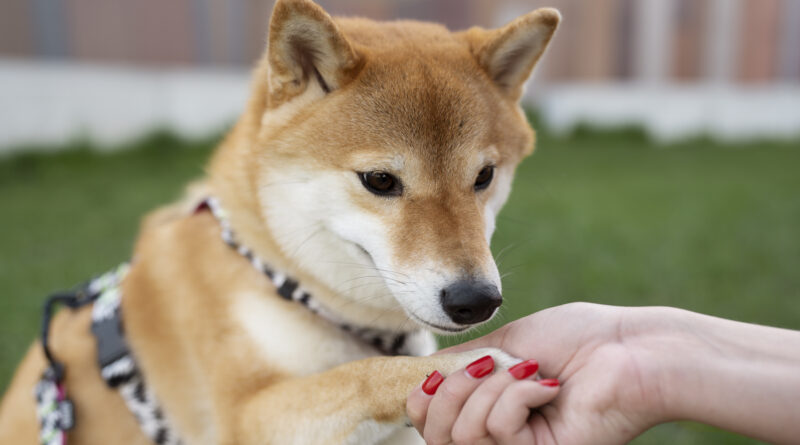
column 508, row 54
column 306, row 46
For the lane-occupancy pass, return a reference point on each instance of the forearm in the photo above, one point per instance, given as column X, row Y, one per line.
column 736, row 376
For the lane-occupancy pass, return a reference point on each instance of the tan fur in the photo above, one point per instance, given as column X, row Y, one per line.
column 230, row 361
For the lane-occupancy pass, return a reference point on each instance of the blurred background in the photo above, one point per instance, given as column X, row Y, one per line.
column 666, row 169
column 729, row 68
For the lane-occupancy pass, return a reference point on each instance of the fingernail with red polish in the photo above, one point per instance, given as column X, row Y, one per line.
column 550, row 382
column 524, row 370
column 431, row 384
column 481, row 367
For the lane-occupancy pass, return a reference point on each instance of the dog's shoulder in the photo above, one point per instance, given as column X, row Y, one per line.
column 193, row 196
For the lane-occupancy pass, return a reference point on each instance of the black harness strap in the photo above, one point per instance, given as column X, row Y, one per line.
column 53, row 409
column 72, row 300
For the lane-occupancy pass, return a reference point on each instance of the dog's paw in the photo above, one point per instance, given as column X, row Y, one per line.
column 460, row 360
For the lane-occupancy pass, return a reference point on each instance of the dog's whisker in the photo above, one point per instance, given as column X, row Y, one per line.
column 375, row 296
column 517, row 266
column 312, row 235
column 506, row 274
column 360, row 286
column 377, row 277
column 365, row 266
column 378, row 281
column 504, row 250
column 297, row 230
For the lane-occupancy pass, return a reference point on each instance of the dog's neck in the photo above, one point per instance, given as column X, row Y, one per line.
column 239, row 196
column 388, row 342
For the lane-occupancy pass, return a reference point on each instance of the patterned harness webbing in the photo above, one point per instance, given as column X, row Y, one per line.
column 53, row 409
column 387, row 342
column 118, row 366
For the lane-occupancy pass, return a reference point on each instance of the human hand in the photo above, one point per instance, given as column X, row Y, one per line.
column 476, row 406
column 593, row 350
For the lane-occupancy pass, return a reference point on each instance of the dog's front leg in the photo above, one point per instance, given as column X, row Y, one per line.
column 358, row 402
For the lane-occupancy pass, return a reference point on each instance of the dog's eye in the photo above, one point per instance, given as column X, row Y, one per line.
column 381, row 183
column 484, row 177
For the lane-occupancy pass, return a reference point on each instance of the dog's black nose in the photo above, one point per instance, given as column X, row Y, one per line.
column 469, row 301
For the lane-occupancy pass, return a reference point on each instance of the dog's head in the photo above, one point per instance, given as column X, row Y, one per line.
column 384, row 152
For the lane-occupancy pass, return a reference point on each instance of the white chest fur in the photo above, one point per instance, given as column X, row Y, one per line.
column 288, row 336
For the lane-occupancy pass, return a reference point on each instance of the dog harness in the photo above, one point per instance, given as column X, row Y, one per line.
column 117, row 364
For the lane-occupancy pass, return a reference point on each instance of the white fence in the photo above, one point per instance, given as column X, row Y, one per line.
column 46, row 104
column 675, row 112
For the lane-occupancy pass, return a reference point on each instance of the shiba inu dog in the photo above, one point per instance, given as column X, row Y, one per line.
column 368, row 166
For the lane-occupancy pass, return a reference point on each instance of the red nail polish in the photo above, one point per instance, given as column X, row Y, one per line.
column 481, row 367
column 524, row 370
column 431, row 384
column 550, row 382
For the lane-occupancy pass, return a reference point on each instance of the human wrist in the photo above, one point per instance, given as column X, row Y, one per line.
column 736, row 376
column 685, row 361
column 660, row 344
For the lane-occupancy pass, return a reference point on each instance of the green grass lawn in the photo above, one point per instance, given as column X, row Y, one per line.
column 599, row 216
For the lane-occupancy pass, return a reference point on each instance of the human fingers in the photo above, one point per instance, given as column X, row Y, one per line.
column 508, row 421
column 470, row 426
column 420, row 398
column 449, row 398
